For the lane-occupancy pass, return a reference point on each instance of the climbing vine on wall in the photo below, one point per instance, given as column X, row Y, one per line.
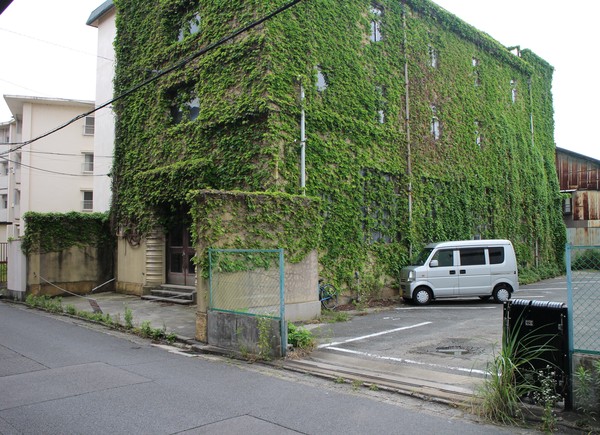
column 53, row 232
column 387, row 183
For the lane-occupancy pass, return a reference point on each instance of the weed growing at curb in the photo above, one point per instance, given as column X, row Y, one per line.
column 54, row 305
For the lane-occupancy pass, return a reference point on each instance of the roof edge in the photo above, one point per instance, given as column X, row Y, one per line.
column 99, row 12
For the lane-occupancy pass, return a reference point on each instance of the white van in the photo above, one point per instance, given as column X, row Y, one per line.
column 483, row 268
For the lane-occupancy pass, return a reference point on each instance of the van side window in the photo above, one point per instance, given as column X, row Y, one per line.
column 472, row 256
column 496, row 255
column 445, row 257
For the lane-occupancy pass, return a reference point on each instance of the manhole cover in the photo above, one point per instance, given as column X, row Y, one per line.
column 452, row 350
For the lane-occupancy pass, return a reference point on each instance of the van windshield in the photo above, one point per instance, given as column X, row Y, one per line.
column 422, row 257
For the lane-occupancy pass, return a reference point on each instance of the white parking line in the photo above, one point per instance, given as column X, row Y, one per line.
column 448, row 308
column 372, row 335
column 408, row 361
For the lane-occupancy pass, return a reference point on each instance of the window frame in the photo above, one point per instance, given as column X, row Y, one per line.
column 85, row 202
column 376, row 35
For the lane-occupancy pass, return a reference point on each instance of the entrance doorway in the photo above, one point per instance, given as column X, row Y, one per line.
column 180, row 253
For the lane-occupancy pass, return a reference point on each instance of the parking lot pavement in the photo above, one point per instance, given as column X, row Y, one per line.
column 449, row 338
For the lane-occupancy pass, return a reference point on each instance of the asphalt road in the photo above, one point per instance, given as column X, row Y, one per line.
column 454, row 336
column 63, row 376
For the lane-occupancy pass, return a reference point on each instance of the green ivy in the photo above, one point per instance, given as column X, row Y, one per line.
column 53, row 232
column 245, row 137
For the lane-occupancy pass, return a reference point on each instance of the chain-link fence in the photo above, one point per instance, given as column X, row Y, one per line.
column 246, row 300
column 246, row 281
column 583, row 283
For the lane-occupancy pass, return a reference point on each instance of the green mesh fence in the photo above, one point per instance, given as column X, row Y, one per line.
column 247, row 281
column 583, row 284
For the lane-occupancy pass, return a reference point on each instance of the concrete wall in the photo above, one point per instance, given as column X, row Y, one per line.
column 242, row 334
column 17, row 271
column 77, row 269
column 140, row 265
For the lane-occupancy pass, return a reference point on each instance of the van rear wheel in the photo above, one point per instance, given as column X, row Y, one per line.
column 501, row 293
column 422, row 296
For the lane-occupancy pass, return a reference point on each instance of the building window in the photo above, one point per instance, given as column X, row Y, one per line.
column 189, row 27
column 89, row 126
column 185, row 105
column 381, row 201
column 4, row 168
column 321, row 80
column 3, row 202
column 88, row 201
column 433, row 57
column 88, row 162
column 376, row 13
column 380, row 91
column 478, row 133
column 568, row 205
column 17, row 198
column 435, row 124
column 477, row 78
column 513, row 91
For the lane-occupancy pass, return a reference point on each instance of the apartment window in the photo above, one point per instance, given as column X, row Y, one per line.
column 376, row 13
column 88, row 201
column 321, row 80
column 88, row 162
column 478, row 133
column 380, row 206
column 4, row 168
column 477, row 78
column 17, row 198
column 380, row 91
column 89, row 126
column 185, row 105
column 513, row 91
column 568, row 205
column 435, row 124
column 3, row 202
column 189, row 27
column 433, row 57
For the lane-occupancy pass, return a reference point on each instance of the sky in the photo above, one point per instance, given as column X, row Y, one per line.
column 49, row 51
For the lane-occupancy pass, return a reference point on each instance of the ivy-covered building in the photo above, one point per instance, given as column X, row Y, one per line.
column 418, row 128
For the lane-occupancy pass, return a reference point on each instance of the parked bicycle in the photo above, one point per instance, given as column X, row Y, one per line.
column 328, row 295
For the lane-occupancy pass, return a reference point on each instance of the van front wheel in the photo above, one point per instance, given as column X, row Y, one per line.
column 501, row 294
column 422, row 296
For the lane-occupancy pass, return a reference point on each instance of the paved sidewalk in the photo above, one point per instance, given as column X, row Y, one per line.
column 177, row 319
column 405, row 379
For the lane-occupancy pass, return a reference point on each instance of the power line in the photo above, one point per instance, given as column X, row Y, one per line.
column 57, row 45
column 172, row 68
column 52, row 172
column 62, row 154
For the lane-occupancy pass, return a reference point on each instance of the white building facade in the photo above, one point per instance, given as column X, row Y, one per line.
column 54, row 173
column 103, row 18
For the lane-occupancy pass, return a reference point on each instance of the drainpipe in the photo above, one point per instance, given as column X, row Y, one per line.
column 531, row 111
column 302, row 142
column 407, row 128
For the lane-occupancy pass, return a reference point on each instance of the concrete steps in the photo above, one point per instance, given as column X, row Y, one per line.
column 176, row 294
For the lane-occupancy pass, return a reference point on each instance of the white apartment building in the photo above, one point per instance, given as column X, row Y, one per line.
column 103, row 18
column 52, row 174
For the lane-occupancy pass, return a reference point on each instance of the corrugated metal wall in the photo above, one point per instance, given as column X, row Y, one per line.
column 577, row 172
